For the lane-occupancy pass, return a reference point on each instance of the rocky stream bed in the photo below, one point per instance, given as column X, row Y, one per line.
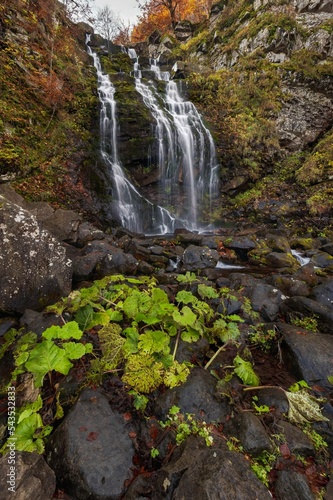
column 273, row 284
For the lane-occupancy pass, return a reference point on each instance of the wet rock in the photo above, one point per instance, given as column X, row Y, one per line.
column 290, row 484
column 274, row 398
column 208, row 473
column 37, row 322
column 91, row 452
column 282, row 260
column 308, row 355
column 290, row 286
column 63, row 225
column 306, row 307
column 87, row 232
column 145, row 268
column 324, row 293
column 33, row 478
column 197, row 396
column 84, row 265
column 328, row 248
column 6, row 324
column 277, row 243
column 297, row 441
column 195, row 257
column 307, row 274
column 248, row 428
column 265, row 299
column 117, row 262
column 34, row 268
column 322, row 259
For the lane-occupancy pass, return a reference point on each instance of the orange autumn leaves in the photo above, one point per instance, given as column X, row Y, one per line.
column 163, row 15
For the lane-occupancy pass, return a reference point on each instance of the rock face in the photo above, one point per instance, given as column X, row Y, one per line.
column 33, row 478
column 34, row 267
column 91, row 452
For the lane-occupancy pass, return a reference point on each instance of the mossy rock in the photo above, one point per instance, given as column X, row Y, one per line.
column 257, row 257
column 303, row 243
column 278, row 243
column 282, row 261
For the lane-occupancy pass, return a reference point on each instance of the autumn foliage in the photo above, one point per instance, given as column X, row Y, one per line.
column 164, row 15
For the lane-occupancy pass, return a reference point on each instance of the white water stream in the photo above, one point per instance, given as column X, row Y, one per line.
column 185, row 156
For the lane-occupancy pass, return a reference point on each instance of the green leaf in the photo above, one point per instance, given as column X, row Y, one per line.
column 245, row 372
column 176, row 375
column 46, row 357
column 230, row 333
column 207, row 292
column 185, row 317
column 84, row 315
column 115, row 315
column 190, row 335
column 74, row 350
column 131, row 343
column 186, row 297
column 186, row 278
column 30, row 408
column 330, row 379
column 25, row 434
column 136, row 303
column 70, row 330
column 154, row 341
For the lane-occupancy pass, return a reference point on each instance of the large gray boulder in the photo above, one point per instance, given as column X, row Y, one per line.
column 34, row 268
column 91, row 451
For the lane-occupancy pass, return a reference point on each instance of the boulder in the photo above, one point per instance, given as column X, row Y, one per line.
column 291, row 484
column 196, row 396
column 298, row 442
column 324, row 293
column 308, row 355
column 248, row 428
column 34, row 268
column 208, row 473
column 265, row 299
column 91, row 451
column 33, row 478
column 196, row 257
column 306, row 307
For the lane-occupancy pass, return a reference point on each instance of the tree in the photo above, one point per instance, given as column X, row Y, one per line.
column 155, row 5
column 107, row 23
column 79, row 10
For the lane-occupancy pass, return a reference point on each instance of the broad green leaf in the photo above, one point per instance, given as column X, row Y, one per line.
column 74, row 350
column 330, row 379
column 70, row 330
column 31, row 408
column 190, row 335
column 115, row 315
column 176, row 375
column 186, row 297
column 46, row 357
column 136, row 303
column 186, row 278
column 21, row 358
column 154, row 341
column 235, row 317
column 84, row 315
column 231, row 332
column 245, row 372
column 207, row 292
column 185, row 317
column 25, row 434
column 159, row 296
column 131, row 343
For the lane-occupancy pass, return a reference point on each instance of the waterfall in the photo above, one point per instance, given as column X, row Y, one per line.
column 133, row 211
column 186, row 154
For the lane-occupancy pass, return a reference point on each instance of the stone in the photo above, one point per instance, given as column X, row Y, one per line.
column 33, row 478
column 248, row 428
column 308, row 355
column 290, row 484
column 34, row 268
column 282, row 260
column 91, row 451
column 208, row 473
column 265, row 299
column 324, row 293
column 195, row 257
column 196, row 396
column 298, row 442
column 290, row 286
column 306, row 307
column 322, row 259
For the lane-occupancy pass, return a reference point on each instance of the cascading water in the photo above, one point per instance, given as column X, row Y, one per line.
column 186, row 154
column 133, row 211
